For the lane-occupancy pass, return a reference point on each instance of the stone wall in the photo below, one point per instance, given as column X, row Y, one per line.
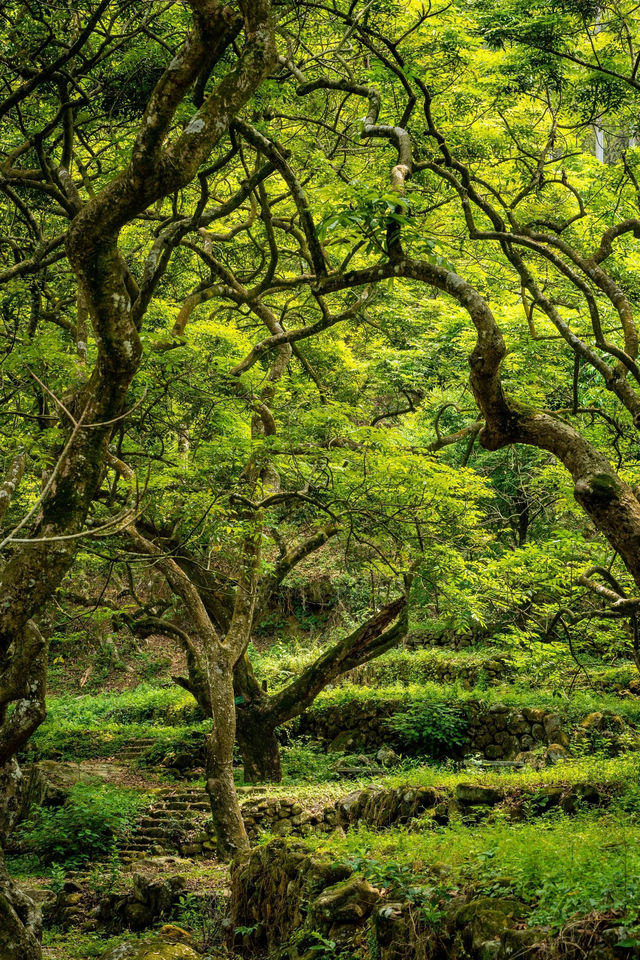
column 284, row 898
column 491, row 671
column 496, row 732
column 381, row 807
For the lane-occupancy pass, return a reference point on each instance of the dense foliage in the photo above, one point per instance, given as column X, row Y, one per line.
column 318, row 352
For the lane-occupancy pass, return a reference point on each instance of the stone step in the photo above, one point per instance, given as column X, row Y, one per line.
column 185, row 805
column 185, row 798
column 151, row 821
column 184, row 795
column 142, row 845
column 150, row 833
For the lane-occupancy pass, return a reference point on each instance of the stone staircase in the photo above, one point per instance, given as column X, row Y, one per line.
column 166, row 825
column 130, row 752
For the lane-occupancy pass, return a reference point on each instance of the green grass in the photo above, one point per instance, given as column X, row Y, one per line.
column 73, row 741
column 560, row 866
column 74, row 945
column 147, row 703
column 284, row 661
column 573, row 706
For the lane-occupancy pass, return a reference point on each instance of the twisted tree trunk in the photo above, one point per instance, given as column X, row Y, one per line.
column 159, row 165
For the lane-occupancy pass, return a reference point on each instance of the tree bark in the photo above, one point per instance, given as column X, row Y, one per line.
column 259, row 746
column 231, row 836
column 20, row 924
column 258, row 716
column 20, row 918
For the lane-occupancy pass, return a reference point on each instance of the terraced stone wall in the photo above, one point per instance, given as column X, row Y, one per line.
column 496, row 732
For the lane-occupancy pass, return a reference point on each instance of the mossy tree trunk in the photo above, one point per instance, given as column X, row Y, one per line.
column 231, row 836
column 20, row 921
column 211, row 660
column 260, row 715
column 44, row 543
column 259, row 746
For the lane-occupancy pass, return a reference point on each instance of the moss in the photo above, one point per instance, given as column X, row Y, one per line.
column 602, row 487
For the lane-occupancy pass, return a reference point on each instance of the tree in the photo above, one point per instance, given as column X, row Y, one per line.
column 529, row 212
column 88, row 202
column 426, row 175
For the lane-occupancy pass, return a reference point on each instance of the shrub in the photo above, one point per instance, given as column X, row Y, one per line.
column 436, row 728
column 88, row 824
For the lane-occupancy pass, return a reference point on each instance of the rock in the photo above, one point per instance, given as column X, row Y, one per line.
column 486, row 918
column 554, row 753
column 157, row 949
column 532, row 758
column 391, row 928
column 343, row 906
column 489, row 950
column 523, row 944
column 386, row 756
column 184, row 760
column 593, row 721
column 72, row 886
column 43, row 897
column 553, row 729
column 344, row 741
column 175, row 934
column 150, row 899
column 517, row 725
column 51, row 782
column 533, row 715
column 580, row 794
column 616, row 723
column 470, row 794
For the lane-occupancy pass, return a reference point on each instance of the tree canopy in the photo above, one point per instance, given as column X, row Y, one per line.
column 296, row 287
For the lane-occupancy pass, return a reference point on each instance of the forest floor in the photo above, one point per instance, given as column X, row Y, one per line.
column 558, row 830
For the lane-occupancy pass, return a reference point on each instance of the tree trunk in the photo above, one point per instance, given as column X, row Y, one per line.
column 19, row 922
column 258, row 745
column 20, row 918
column 231, row 836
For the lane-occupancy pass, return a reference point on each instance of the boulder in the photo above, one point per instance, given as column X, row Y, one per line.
column 150, row 899
column 469, row 794
column 533, row 715
column 157, row 949
column 486, row 919
column 344, row 741
column 580, row 795
column 386, row 756
column 553, row 729
column 51, row 782
column 344, row 907
column 554, row 753
column 593, row 721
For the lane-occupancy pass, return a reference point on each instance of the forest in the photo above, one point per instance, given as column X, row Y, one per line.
column 319, row 479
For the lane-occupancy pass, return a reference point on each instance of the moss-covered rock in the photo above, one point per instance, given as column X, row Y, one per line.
column 486, row 919
column 272, row 890
column 157, row 949
column 50, row 783
column 343, row 907
column 471, row 794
